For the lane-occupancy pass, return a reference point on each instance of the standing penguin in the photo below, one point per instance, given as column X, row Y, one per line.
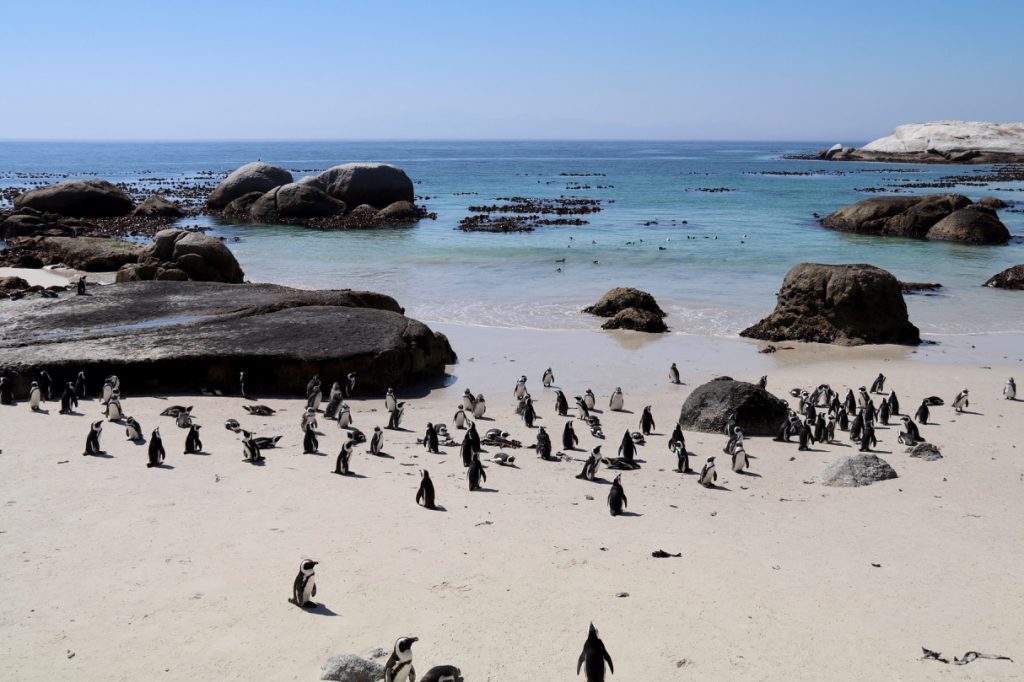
column 960, row 402
column 867, row 438
column 114, row 412
column 783, row 433
column 911, row 434
column 520, row 390
column 241, row 385
column 314, row 394
column 475, row 474
column 819, row 429
column 310, row 444
column 35, row 396
column 528, row 413
column 850, row 403
column 561, row 404
column 739, row 459
column 843, row 419
column 157, row 454
column 730, row 424
column 92, row 441
column 349, row 387
column 395, row 418
column 617, row 497
column 862, row 397
column 682, row 458
column 869, row 411
column 132, row 429
column 677, row 437
column 68, row 398
column 333, row 401
column 251, row 449
column 857, row 427
column 1010, row 389
column 425, row 493
column 922, row 412
column 883, row 412
column 459, row 420
column 894, row 404
column 6, row 395
column 830, row 429
column 344, row 455
column 304, row 587
column 589, row 399
column 192, row 443
column 569, row 438
column 673, row 374
column 390, row 402
column 806, row 435
column 616, row 402
column 430, row 440
column 46, row 384
column 548, row 378
column 467, row 450
column 399, row 666
column 708, row 475
column 627, row 448
column 581, row 407
column 879, row 384
column 594, row 656
column 480, row 407
column 647, row 421
column 344, row 416
column 308, row 418
column 591, row 465
column 80, row 385
column 377, row 442
column 474, row 438
column 543, row 444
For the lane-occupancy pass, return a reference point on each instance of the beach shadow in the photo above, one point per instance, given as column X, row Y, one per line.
column 715, row 486
column 72, row 413
column 321, row 610
column 162, row 466
column 201, row 453
column 629, row 513
column 980, row 414
column 317, row 453
column 748, row 473
column 437, row 508
column 102, row 454
column 485, row 490
column 41, row 411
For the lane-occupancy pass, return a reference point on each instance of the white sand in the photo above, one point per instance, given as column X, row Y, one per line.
column 171, row 574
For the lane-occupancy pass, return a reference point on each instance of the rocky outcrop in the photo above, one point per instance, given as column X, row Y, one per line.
column 941, row 142
column 709, row 407
column 241, row 207
column 252, row 177
column 857, row 470
column 926, row 451
column 295, row 200
column 351, row 668
column 841, row 304
column 78, row 198
column 636, row 320
column 1010, row 278
column 377, row 184
column 27, row 222
column 992, row 202
column 180, row 255
column 400, row 210
column 620, row 298
column 971, row 225
column 180, row 336
column 92, row 254
column 157, row 206
column 902, row 216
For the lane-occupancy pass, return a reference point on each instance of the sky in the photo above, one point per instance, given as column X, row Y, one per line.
column 760, row 70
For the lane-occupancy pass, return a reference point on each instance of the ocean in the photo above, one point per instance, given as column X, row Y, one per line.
column 714, row 274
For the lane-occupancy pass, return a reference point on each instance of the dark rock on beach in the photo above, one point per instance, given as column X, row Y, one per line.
column 78, row 198
column 179, row 336
column 92, row 254
column 620, row 298
column 926, row 451
column 157, row 206
column 351, row 668
column 841, row 304
column 857, row 470
column 252, row 177
column 636, row 319
column 971, row 225
column 180, row 255
column 377, row 184
column 709, row 407
column 1010, row 278
column 902, row 216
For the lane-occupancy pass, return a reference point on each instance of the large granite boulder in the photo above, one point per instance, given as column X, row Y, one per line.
column 178, row 255
column 241, row 206
column 1010, row 278
column 853, row 471
column 709, row 407
column 841, row 304
column 78, row 198
column 92, row 254
column 295, row 200
column 400, row 210
column 971, row 225
column 896, row 216
column 157, row 206
column 179, row 336
column 377, row 184
column 252, row 177
column 351, row 668
column 620, row 298
column 943, row 142
column 26, row 222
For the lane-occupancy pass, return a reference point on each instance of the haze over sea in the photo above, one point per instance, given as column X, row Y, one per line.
column 714, row 275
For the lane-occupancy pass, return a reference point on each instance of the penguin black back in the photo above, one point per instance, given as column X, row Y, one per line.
column 425, row 494
column 593, row 657
column 617, row 497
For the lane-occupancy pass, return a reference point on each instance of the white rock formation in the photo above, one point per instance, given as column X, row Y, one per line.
column 951, row 137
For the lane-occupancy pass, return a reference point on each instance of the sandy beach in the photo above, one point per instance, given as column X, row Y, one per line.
column 118, row 571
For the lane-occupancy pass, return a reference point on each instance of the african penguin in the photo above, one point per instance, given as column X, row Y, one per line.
column 673, row 374
column 157, row 454
column 442, row 673
column 314, row 394
column 395, row 417
column 480, row 407
column 304, row 587
column 349, row 387
column 520, row 390
column 543, row 444
column 193, row 444
column 708, row 475
column 425, row 493
column 616, row 401
column 250, row 448
column 561, row 404
column 459, row 420
column 922, row 412
column 377, row 442
column 132, row 429
column 647, row 421
column 569, row 438
column 617, row 497
column 310, row 444
column 960, row 402
column 548, row 378
column 333, row 401
column 879, row 384
column 344, row 455
column 589, row 399
column 390, row 402
column 68, row 398
column 1010, row 389
column 627, row 448
column 430, row 440
column 682, row 458
column 475, row 474
column 593, row 657
column 92, row 441
column 6, row 395
column 399, row 666
column 80, row 385
column 344, row 416
column 35, row 396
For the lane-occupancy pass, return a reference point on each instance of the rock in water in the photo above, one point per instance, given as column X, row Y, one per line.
column 1010, row 278
column 295, row 200
column 971, row 225
column 621, row 298
column 158, row 207
column 943, row 142
column 895, row 216
column 252, row 177
column 351, row 668
column 842, row 304
column 377, row 184
column 708, row 408
column 857, row 470
column 78, row 198
column 925, row 451
column 179, row 255
column 636, row 320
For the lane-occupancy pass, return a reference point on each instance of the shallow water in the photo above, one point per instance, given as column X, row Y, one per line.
column 717, row 273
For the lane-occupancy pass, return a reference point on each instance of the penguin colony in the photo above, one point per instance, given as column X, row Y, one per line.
column 817, row 417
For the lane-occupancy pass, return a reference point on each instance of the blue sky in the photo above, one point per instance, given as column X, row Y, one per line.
column 843, row 71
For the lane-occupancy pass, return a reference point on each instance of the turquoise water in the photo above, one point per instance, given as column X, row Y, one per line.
column 724, row 277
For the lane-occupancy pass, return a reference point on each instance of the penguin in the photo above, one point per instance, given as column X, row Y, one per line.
column 617, row 497
column 862, row 397
column 819, row 429
column 569, row 438
column 467, row 450
column 254, row 410
column 399, row 666
column 459, row 420
column 183, row 420
column 910, row 432
column 304, row 587
column 867, row 438
column 730, row 424
column 192, row 443
column 241, row 385
column 251, row 448
column 157, row 454
column 521, row 404
column 80, row 386
column 232, row 425
column 1010, row 389
column 442, row 673
column 46, row 384
column 475, row 474
column 6, row 395
column 763, row 382
column 395, row 418
column 80, row 286
column 869, row 411
column 113, row 411
column 879, row 384
column 308, row 419
column 682, row 458
column 647, row 421
column 616, row 402
column 314, row 394
column 594, row 656
column 520, row 390
column 349, row 387
column 810, row 412
column 425, row 494
column 474, row 438
column 783, row 432
column 548, row 378
column 883, row 412
column 430, row 440
column 561, row 404
column 35, row 396
column 843, row 419
column 333, row 401
column 673, row 374
column 894, row 403
column 344, row 455
column 92, row 441
column 107, row 392
column 480, row 408
column 857, row 427
column 627, row 448
column 581, row 406
column 830, row 429
column 739, row 459
column 390, row 402
column 591, row 465
column 529, row 415
column 960, row 402
column 922, row 412
column 708, row 475
column 377, row 442
column 68, row 398
column 543, row 444
column 850, row 403
column 132, row 429
column 589, row 399
column 310, row 444
column 505, row 459
column 344, row 416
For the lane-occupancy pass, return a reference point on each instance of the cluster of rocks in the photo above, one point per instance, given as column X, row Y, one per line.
column 711, row 405
column 180, row 255
column 629, row 308
column 91, row 254
column 525, row 214
column 1010, row 278
column 938, row 217
column 971, row 142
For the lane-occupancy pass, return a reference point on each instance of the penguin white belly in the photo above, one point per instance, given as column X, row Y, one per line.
column 616, row 402
column 307, row 591
column 479, row 410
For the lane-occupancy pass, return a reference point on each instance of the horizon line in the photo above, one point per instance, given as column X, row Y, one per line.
column 199, row 140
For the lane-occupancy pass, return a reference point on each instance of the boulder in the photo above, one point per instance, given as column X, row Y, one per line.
column 351, row 668
column 943, row 142
column 992, row 202
column 295, row 200
column 92, row 254
column 841, row 304
column 27, row 222
column 925, row 451
column 221, row 265
column 78, row 198
column 1010, row 278
column 856, row 470
column 178, row 255
column 377, row 184
column 243, row 204
column 972, row 225
column 636, row 320
column 708, row 408
column 157, row 206
column 252, row 177
column 400, row 210
column 620, row 298
column 172, row 336
column 13, row 284
column 896, row 216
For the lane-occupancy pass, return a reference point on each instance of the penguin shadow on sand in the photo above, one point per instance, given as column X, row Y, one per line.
column 162, row 465
column 316, row 608
column 102, row 454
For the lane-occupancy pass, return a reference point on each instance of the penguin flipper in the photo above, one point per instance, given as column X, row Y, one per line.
column 579, row 663
column 313, row 593
column 608, row 659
